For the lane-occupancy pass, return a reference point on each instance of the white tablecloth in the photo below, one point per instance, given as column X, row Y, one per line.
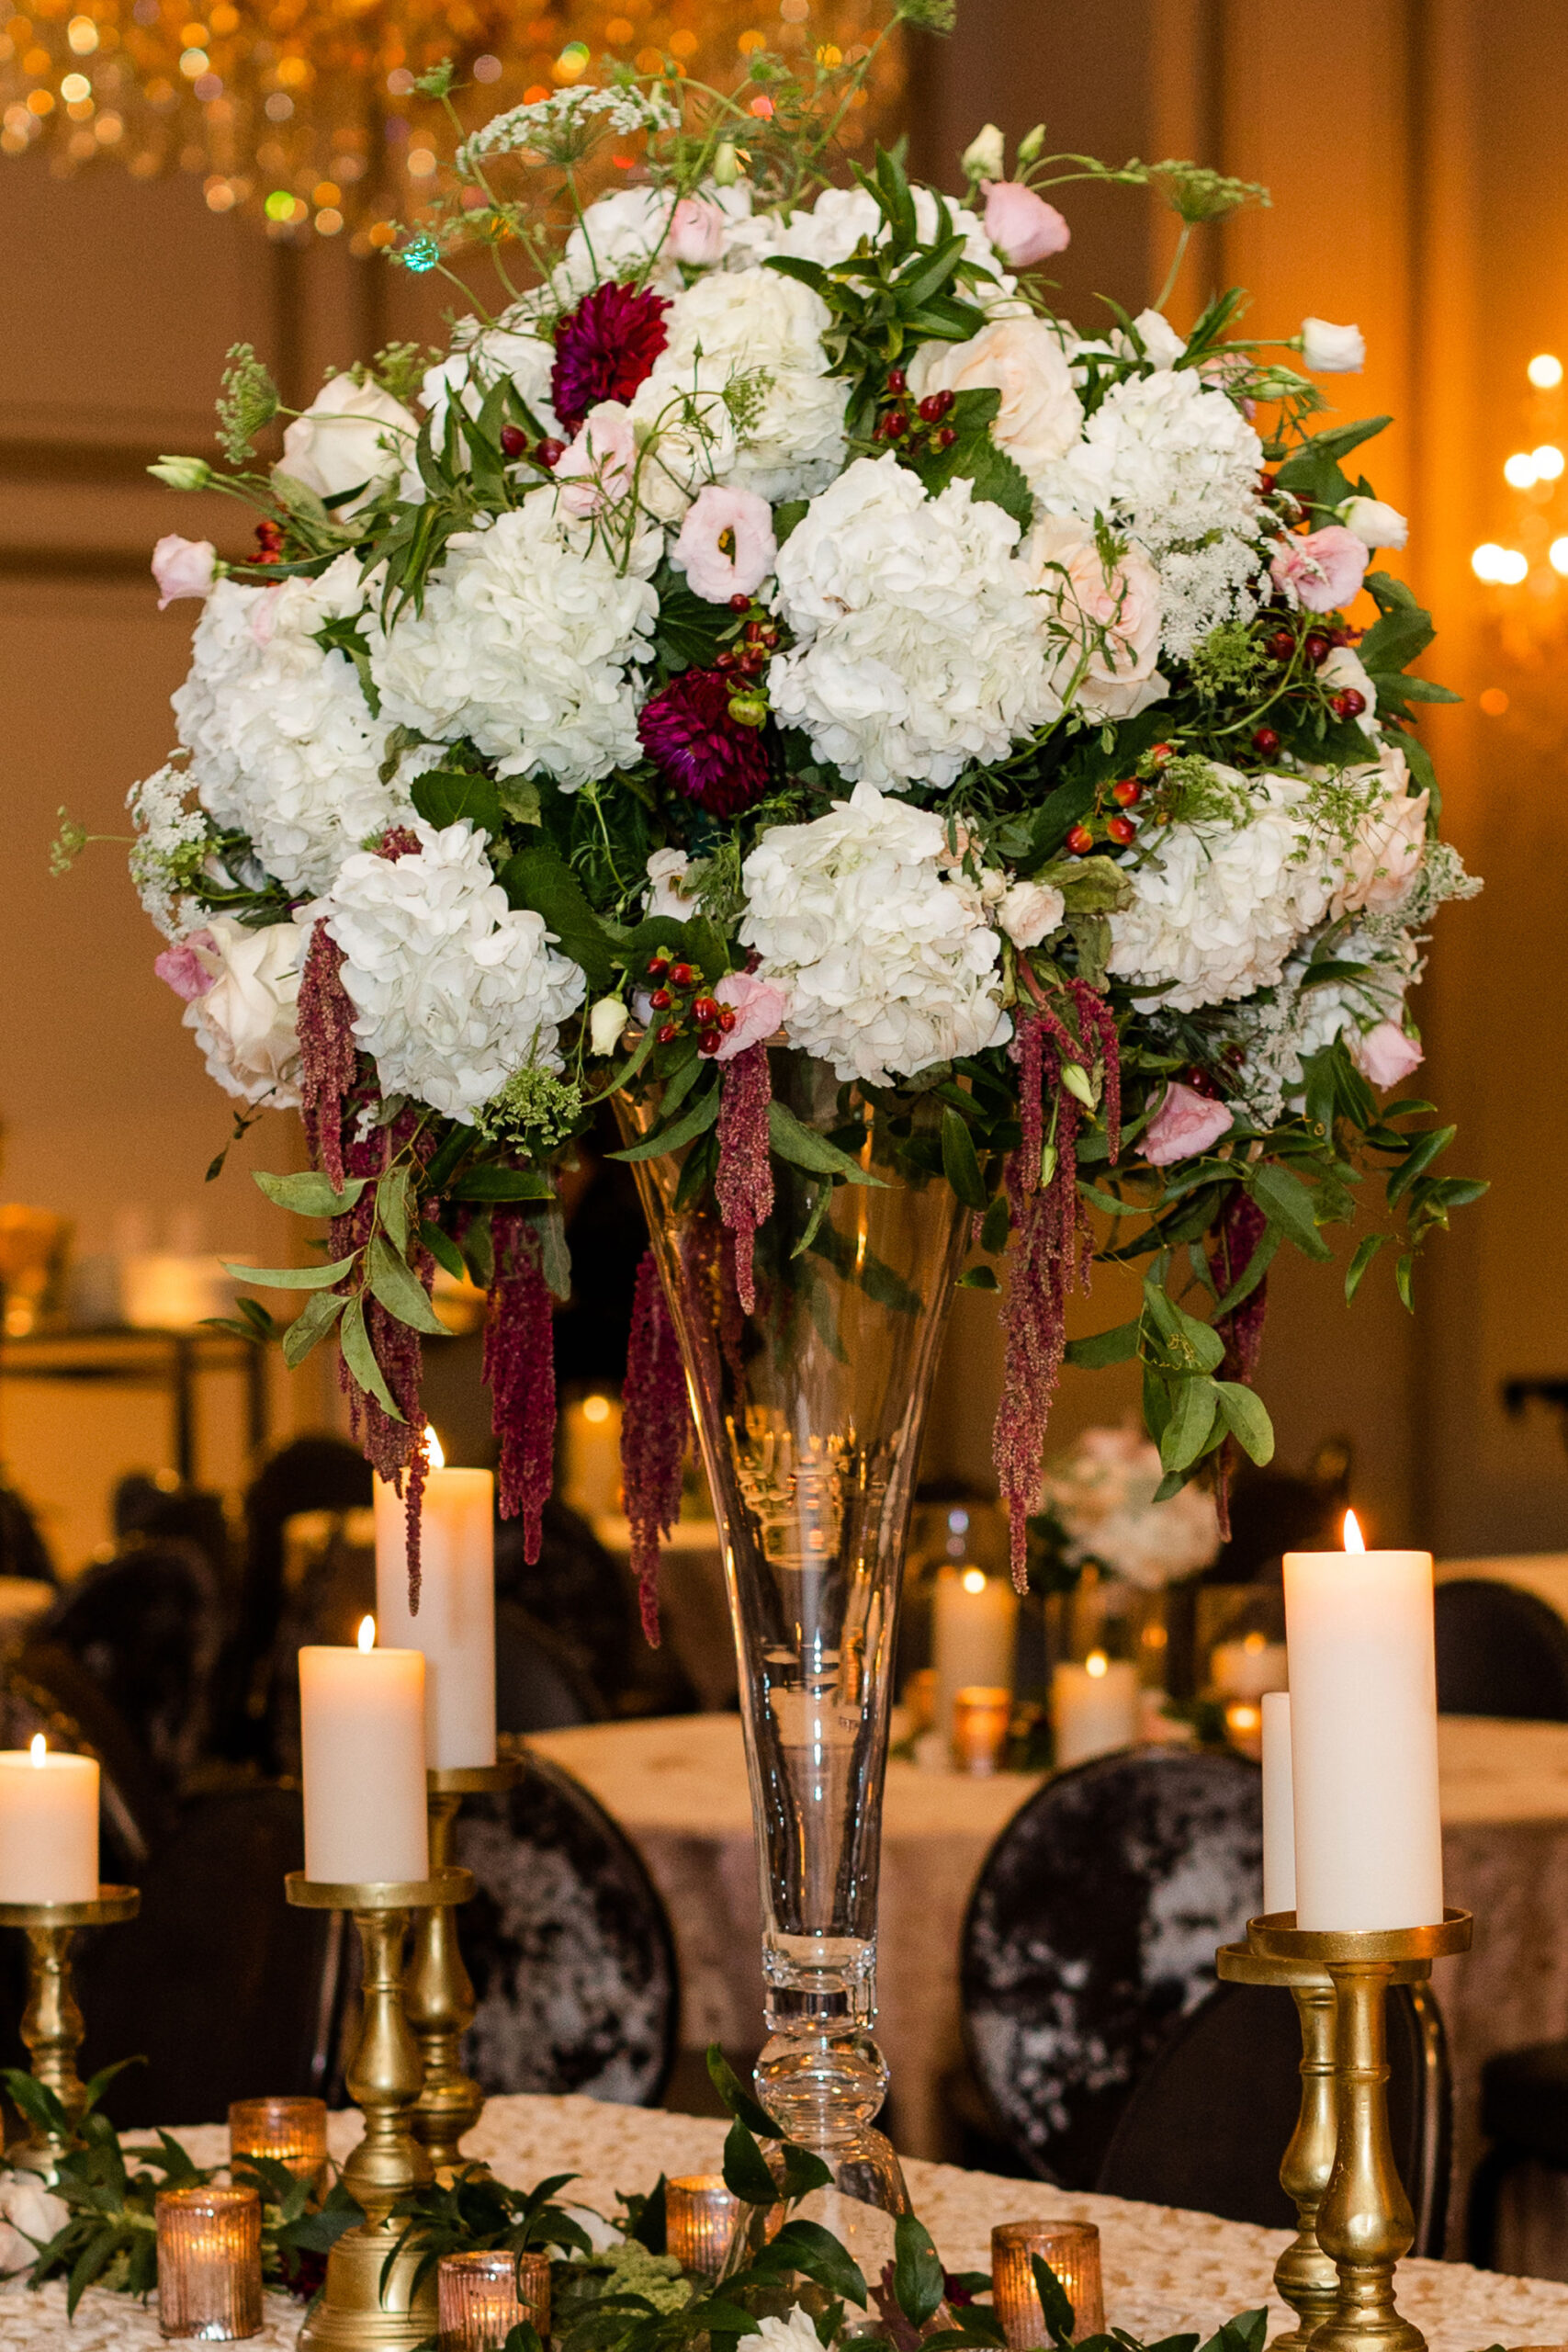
column 1164, row 2270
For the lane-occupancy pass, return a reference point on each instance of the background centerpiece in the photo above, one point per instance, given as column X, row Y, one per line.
column 915, row 761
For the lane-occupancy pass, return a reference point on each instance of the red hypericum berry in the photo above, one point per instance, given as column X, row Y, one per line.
column 1122, row 830
column 657, row 967
column 897, row 425
column 1281, row 645
column 931, row 409
column 726, row 1018
column 944, row 436
column 753, row 632
column 1267, row 484
column 726, row 660
column 1161, row 755
column 514, row 440
column 897, row 381
column 681, row 976
column 754, row 660
column 669, row 1034
column 709, row 1040
column 739, row 602
column 1080, row 840
column 706, row 1011
column 1265, row 742
column 662, row 1000
column 1316, row 647
column 1128, row 793
column 1350, row 703
column 550, row 452
column 770, row 638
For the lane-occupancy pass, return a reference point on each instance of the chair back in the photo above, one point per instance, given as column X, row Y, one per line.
column 1207, row 2126
column 146, row 1627
column 567, row 1944
column 1501, row 1651
column 46, row 1689
column 1092, row 1930
column 540, row 1683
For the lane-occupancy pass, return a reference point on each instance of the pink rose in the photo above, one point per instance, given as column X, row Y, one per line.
column 1323, row 571
column 726, row 546
column 1104, row 623
column 1385, row 1055
column 696, row 233
column 183, row 968
column 1386, row 855
column 1186, row 1123
column 1023, row 228
column 182, row 567
column 760, row 1007
column 598, row 465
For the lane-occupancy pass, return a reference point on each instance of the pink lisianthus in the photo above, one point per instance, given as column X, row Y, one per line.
column 696, row 233
column 758, row 1006
column 1386, row 1053
column 182, row 567
column 1324, row 570
column 1023, row 228
column 1186, row 1123
column 596, row 469
column 714, row 569
column 182, row 968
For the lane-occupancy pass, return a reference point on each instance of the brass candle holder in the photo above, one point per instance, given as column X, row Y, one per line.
column 437, row 1996
column 52, row 2022
column 1303, row 2276
column 1364, row 2221
column 368, row 2305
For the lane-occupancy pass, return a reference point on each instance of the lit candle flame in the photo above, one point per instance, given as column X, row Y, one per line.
column 1096, row 1663
column 596, row 1409
column 1354, row 1539
column 367, row 1633
column 434, row 1454
column 973, row 1579
column 39, row 1749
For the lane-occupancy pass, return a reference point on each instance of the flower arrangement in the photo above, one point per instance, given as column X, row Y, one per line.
column 771, row 622
column 1102, row 1501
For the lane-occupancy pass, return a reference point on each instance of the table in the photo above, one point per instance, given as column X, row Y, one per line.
column 1164, row 2272
column 678, row 1786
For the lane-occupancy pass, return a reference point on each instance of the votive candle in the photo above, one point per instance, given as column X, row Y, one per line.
column 49, row 1825
column 974, row 1635
column 362, row 1741
column 699, row 2221
column 1279, row 1805
column 292, row 2131
column 1094, row 1707
column 980, row 1720
column 480, row 2297
column 210, row 2279
column 455, row 1628
column 1072, row 2250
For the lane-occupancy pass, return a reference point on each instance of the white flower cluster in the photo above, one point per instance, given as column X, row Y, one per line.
column 754, row 324
column 454, row 990
column 888, row 960
column 166, row 832
column 1166, row 455
column 1103, row 1493
column 568, row 117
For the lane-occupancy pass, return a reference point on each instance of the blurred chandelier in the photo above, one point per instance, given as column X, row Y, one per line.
column 304, row 111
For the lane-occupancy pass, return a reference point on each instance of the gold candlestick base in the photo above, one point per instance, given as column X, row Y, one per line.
column 437, row 1996
column 1364, row 2221
column 365, row 2306
column 52, row 2022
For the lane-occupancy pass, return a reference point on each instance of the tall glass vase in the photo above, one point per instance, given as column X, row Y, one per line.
column 809, row 1412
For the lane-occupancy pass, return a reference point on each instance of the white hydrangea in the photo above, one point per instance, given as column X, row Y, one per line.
column 1298, row 1019
column 480, row 357
column 283, row 746
column 1219, row 906
column 918, row 647
column 621, row 234
column 887, row 959
column 1167, row 455
column 841, row 217
column 761, row 334
column 454, row 991
column 1103, row 1493
column 527, row 645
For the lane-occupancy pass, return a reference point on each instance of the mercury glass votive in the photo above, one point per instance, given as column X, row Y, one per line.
column 480, row 2297
column 292, row 2131
column 1072, row 2250
column 210, row 2279
column 981, row 1714
column 699, row 2221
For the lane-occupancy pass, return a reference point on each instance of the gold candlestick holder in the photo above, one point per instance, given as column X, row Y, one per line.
column 367, row 2306
column 437, row 1996
column 52, row 2022
column 1364, row 2221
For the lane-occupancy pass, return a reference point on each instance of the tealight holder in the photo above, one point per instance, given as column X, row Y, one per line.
column 370, row 2302
column 1072, row 2250
column 209, row 2266
column 1364, row 2221
column 437, row 1996
column 291, row 2132
column 700, row 2214
column 480, row 2297
column 981, row 1714
column 52, row 2022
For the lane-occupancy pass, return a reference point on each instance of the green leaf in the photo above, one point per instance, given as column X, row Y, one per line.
column 400, row 1291
column 502, row 1184
column 539, row 881
column 1366, row 1251
column 1419, row 1159
column 1107, row 1203
column 1105, row 1346
column 310, row 1193
column 1055, row 2300
column 746, row 2173
column 292, row 1277
column 392, row 1206
column 995, row 1228
column 1286, row 1202
column 738, row 2102
column 312, row 1324
column 1247, row 1418
column 1246, row 1281
column 804, row 1147
column 978, row 1278
column 444, row 1249
column 806, row 2247
column 1188, row 1430
column 451, row 797
column 959, row 1163
column 360, row 1357
column 703, row 1114
column 916, row 2271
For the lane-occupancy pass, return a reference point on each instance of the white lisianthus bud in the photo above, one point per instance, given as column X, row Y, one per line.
column 984, row 158
column 606, row 1023
column 183, row 473
column 1030, row 145
column 1329, row 350
column 1374, row 524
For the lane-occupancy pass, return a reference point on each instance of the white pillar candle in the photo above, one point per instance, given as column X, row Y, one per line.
column 1094, row 1707
column 1278, row 1817
column 361, row 1737
column 49, row 1825
column 974, row 1633
column 456, row 1625
column 1364, row 1738
column 1247, row 1669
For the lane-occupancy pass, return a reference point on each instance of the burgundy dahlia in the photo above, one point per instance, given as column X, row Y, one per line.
column 689, row 735
column 605, row 349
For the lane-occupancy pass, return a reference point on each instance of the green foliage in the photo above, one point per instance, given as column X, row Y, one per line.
column 480, row 2214
column 247, row 403
column 533, row 1114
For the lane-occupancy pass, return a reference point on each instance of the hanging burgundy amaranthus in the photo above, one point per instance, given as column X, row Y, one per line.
column 655, row 1425
column 520, row 1368
column 1053, row 1230
column 328, row 1056
column 1241, row 1227
column 744, row 1184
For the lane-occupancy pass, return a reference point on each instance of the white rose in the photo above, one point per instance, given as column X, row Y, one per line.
column 353, row 436
column 1388, row 847
column 1375, row 524
column 666, row 870
column 1030, row 912
column 606, row 1023
column 1162, row 346
column 1329, row 350
column 1040, row 416
column 794, row 2334
column 986, row 156
column 244, row 1021
column 1106, row 623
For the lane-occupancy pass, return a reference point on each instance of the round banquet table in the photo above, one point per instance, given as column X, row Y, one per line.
column 1164, row 2272
column 678, row 1786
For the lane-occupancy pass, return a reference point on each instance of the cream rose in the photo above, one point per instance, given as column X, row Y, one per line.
column 245, row 1018
column 1106, row 621
column 1040, row 415
column 353, row 436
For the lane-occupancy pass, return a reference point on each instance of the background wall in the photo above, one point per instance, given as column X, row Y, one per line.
column 1398, row 161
